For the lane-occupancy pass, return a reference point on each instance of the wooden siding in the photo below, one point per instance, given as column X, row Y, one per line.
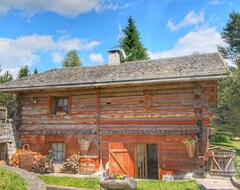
column 107, row 111
column 172, row 154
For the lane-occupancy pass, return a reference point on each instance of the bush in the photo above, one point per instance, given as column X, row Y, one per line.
column 221, row 137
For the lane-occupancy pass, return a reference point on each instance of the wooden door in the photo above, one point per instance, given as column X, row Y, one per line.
column 121, row 158
column 142, row 161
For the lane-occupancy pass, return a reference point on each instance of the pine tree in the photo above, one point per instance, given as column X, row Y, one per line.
column 35, row 71
column 23, row 72
column 132, row 45
column 231, row 35
column 7, row 100
column 227, row 114
column 72, row 59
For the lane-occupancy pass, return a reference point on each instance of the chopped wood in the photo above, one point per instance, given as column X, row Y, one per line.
column 71, row 164
column 25, row 158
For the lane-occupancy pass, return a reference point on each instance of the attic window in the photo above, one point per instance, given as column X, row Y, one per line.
column 60, row 105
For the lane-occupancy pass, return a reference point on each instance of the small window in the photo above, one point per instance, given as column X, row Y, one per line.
column 60, row 105
column 58, row 151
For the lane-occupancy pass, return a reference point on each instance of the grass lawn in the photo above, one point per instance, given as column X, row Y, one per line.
column 235, row 145
column 11, row 181
column 141, row 185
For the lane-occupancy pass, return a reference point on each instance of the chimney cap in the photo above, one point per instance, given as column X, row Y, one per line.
column 114, row 49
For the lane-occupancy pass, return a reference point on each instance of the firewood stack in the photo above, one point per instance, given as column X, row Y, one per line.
column 71, row 164
column 18, row 160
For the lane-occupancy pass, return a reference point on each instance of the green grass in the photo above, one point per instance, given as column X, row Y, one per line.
column 71, row 182
column 141, row 184
column 11, row 181
column 167, row 185
column 235, row 145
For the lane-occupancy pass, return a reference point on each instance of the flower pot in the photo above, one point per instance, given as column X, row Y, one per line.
column 61, row 113
column 191, row 150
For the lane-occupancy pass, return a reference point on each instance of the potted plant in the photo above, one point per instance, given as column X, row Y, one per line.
column 61, row 111
column 117, row 180
column 190, row 142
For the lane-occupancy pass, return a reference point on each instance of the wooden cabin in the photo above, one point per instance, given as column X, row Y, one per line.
column 133, row 114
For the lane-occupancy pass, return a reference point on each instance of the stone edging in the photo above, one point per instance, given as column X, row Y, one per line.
column 33, row 182
column 235, row 182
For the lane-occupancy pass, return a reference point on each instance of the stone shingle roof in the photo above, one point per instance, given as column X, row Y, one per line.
column 194, row 67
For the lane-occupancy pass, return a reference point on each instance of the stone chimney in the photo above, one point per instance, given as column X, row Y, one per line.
column 114, row 57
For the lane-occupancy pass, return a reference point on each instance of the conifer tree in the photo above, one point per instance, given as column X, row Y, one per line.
column 35, row 71
column 131, row 43
column 7, row 100
column 227, row 114
column 23, row 72
column 72, row 59
column 231, row 35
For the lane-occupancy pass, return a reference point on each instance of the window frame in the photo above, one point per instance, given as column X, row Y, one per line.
column 51, row 104
column 58, row 151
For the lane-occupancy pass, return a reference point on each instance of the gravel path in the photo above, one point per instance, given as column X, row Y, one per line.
column 216, row 183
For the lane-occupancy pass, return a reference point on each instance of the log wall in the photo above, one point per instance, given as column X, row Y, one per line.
column 103, row 112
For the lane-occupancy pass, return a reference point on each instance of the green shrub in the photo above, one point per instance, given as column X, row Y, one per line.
column 11, row 181
column 220, row 138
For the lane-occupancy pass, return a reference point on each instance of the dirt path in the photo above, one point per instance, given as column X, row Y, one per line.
column 216, row 183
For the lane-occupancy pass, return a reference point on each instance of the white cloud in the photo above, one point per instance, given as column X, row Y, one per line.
column 213, row 2
column 70, row 8
column 203, row 40
column 24, row 50
column 114, row 5
column 96, row 57
column 57, row 57
column 190, row 19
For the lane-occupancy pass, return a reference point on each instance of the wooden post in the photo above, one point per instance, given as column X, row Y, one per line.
column 160, row 170
column 49, row 105
column 98, row 127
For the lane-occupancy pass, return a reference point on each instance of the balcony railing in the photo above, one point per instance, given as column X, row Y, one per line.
column 6, row 134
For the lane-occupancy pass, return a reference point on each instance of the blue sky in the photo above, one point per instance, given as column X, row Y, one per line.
column 38, row 33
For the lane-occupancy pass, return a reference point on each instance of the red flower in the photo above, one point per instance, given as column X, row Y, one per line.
column 190, row 139
column 59, row 108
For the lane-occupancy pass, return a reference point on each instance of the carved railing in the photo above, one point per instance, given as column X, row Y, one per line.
column 6, row 134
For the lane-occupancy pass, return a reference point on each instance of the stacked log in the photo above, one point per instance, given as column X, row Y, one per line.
column 71, row 164
column 25, row 158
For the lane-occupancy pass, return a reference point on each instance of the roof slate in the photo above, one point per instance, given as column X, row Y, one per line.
column 167, row 69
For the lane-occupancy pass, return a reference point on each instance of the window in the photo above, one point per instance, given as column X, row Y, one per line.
column 60, row 105
column 58, row 151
